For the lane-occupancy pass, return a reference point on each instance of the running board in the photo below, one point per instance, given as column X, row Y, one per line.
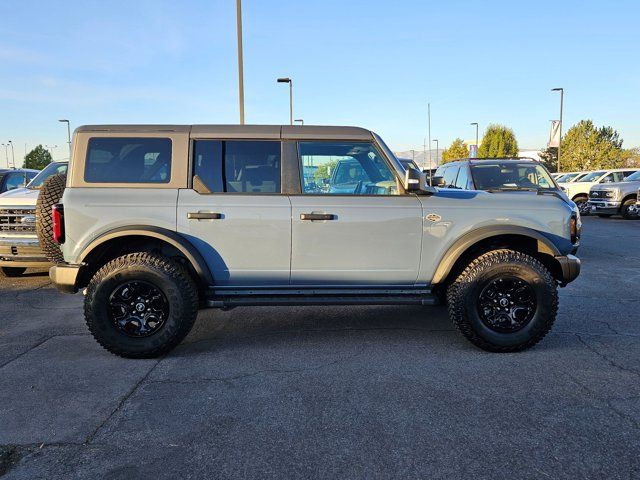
column 301, row 300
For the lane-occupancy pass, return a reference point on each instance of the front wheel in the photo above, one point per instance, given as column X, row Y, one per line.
column 504, row 301
column 629, row 210
column 583, row 205
column 141, row 305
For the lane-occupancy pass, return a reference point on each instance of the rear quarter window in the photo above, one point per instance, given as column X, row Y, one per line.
column 128, row 160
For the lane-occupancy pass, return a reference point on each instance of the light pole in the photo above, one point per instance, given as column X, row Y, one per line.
column 437, row 149
column 50, row 148
column 13, row 155
column 240, row 61
column 290, row 82
column 299, row 120
column 68, row 134
column 561, row 90
column 429, row 133
column 476, row 124
column 6, row 153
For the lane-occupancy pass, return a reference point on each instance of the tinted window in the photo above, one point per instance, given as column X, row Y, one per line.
column 450, row 175
column 352, row 168
column 510, row 175
column 207, row 163
column 238, row 166
column 463, row 179
column 128, row 160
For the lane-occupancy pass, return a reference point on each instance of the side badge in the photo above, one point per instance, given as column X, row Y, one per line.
column 433, row 217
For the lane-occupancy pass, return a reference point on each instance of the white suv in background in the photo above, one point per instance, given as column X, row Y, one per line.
column 578, row 190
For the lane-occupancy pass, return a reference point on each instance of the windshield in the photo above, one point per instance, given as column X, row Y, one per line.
column 591, row 177
column 48, row 171
column 511, row 176
column 634, row 177
column 567, row 177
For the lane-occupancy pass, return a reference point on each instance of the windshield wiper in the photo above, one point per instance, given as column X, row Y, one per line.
column 511, row 189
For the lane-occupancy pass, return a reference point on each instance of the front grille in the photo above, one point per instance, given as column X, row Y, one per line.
column 597, row 194
column 17, row 220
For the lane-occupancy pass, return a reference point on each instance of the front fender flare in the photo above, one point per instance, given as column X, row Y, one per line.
column 469, row 239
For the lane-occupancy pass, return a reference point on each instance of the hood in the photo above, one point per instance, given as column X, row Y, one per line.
column 20, row 196
column 632, row 185
column 468, row 194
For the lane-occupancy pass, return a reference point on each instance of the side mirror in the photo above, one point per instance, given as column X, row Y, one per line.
column 416, row 182
column 438, row 182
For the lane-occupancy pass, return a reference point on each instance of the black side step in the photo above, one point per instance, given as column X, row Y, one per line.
column 301, row 300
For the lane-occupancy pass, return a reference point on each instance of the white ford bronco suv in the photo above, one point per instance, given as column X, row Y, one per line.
column 156, row 222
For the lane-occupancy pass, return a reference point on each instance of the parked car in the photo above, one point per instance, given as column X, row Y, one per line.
column 578, row 191
column 10, row 179
column 19, row 246
column 620, row 198
column 571, row 177
column 496, row 175
column 157, row 221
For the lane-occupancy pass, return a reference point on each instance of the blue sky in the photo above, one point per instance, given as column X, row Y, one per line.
column 369, row 63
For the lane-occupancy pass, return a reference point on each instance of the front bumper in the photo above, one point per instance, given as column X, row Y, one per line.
column 64, row 277
column 604, row 207
column 570, row 266
column 21, row 252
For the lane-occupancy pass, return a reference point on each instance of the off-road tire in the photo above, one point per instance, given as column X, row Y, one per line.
column 624, row 210
column 171, row 278
column 464, row 292
column 12, row 271
column 50, row 194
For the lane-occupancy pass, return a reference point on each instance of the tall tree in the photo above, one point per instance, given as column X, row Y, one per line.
column 586, row 147
column 549, row 158
column 498, row 141
column 38, row 158
column 458, row 149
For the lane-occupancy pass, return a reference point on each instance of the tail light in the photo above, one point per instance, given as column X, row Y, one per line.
column 57, row 213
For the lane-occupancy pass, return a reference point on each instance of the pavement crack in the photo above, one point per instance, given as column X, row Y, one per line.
column 121, row 403
column 606, row 358
column 36, row 345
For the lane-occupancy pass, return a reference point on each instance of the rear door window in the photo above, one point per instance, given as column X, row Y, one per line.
column 242, row 166
column 128, row 160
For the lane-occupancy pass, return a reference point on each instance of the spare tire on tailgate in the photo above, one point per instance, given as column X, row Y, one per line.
column 50, row 194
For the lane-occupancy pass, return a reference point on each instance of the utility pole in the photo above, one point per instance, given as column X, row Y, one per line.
column 561, row 90
column 240, row 61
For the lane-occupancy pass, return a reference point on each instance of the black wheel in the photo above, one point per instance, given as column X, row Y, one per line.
column 605, row 215
column 50, row 194
column 12, row 271
column 628, row 210
column 141, row 305
column 583, row 205
column 504, row 301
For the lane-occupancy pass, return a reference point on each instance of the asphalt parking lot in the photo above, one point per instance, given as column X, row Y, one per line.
column 358, row 392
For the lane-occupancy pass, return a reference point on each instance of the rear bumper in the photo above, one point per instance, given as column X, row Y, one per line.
column 570, row 266
column 64, row 277
column 21, row 252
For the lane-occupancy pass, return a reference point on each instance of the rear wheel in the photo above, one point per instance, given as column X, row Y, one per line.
column 12, row 271
column 141, row 305
column 504, row 301
column 628, row 210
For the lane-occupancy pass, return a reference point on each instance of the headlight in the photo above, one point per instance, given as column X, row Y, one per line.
column 610, row 194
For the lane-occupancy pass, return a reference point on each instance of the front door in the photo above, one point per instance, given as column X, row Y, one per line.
column 235, row 214
column 350, row 225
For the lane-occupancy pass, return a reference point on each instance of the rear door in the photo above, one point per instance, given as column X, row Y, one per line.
column 235, row 213
column 358, row 231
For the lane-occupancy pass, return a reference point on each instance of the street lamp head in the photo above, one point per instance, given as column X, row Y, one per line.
column 474, row 123
column 559, row 89
column 284, row 80
column 64, row 120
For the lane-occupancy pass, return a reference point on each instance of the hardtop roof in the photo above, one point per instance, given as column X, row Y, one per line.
column 293, row 132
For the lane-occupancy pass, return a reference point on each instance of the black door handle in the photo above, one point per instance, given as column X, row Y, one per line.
column 204, row 216
column 317, row 216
